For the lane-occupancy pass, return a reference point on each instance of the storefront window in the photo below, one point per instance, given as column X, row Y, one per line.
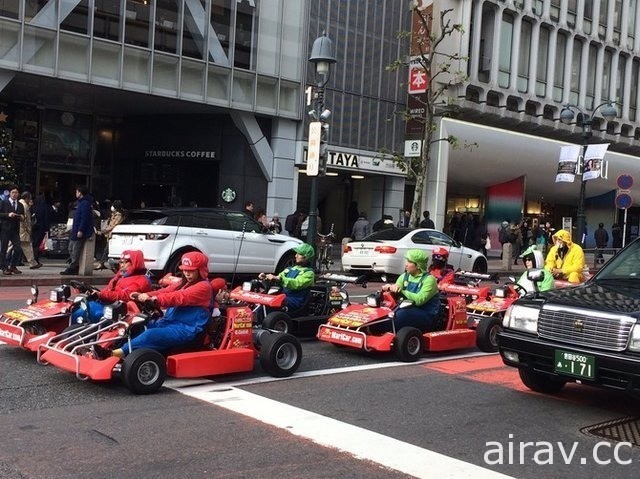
column 66, row 142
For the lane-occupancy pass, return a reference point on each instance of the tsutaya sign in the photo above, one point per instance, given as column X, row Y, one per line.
column 353, row 162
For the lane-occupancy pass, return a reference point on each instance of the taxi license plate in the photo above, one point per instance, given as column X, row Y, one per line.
column 575, row 364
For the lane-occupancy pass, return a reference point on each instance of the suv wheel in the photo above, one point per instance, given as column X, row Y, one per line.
column 174, row 262
column 288, row 260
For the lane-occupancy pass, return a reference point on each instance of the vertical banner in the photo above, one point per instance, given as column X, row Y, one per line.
column 567, row 163
column 593, row 161
column 505, row 201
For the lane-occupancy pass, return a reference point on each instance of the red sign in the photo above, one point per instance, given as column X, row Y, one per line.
column 418, row 79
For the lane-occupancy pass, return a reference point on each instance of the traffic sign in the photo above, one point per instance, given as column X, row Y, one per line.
column 624, row 201
column 313, row 151
column 625, row 182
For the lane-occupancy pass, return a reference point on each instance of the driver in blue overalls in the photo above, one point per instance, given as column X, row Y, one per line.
column 296, row 280
column 417, row 285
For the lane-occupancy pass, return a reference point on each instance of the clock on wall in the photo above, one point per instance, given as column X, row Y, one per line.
column 228, row 195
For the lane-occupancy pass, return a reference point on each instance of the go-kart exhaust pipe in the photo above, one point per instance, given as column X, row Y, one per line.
column 258, row 335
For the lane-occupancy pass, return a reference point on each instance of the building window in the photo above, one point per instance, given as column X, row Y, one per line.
column 633, row 100
column 506, row 38
column 541, row 62
column 631, row 26
column 591, row 76
column 193, row 41
column 537, row 7
column 221, row 23
column 524, row 54
column 572, row 8
column 587, row 22
column 137, row 23
column 620, row 79
column 106, row 19
column 558, row 79
column 77, row 20
column 602, row 22
column 10, row 8
column 606, row 76
column 617, row 21
column 576, row 62
column 166, row 30
column 246, row 28
column 554, row 10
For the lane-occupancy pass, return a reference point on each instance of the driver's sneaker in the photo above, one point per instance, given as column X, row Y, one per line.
column 99, row 352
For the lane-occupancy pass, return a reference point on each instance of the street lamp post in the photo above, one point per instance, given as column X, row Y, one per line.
column 566, row 116
column 322, row 58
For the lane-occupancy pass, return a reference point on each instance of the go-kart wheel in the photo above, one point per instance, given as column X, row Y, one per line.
column 277, row 321
column 280, row 354
column 486, row 334
column 408, row 344
column 35, row 327
column 144, row 371
column 540, row 382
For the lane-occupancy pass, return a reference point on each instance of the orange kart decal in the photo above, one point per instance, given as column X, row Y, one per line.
column 357, row 315
column 36, row 311
column 493, row 304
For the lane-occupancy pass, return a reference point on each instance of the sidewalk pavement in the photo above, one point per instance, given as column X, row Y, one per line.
column 49, row 274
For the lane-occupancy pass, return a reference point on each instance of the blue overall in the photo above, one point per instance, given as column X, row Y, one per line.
column 424, row 317
column 295, row 298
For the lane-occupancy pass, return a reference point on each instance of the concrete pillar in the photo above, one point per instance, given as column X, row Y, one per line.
column 507, row 262
column 86, row 257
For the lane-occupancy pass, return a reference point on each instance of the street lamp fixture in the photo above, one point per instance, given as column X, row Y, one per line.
column 322, row 58
column 566, row 116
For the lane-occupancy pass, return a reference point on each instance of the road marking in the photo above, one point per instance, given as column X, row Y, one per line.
column 361, row 443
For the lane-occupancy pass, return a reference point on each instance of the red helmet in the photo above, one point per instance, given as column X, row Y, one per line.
column 195, row 261
column 440, row 254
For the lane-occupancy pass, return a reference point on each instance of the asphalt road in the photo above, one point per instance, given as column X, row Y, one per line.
column 343, row 414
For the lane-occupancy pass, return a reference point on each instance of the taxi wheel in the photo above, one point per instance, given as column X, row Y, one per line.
column 486, row 334
column 540, row 382
column 408, row 344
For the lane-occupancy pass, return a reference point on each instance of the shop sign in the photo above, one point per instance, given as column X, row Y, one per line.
column 188, row 154
column 354, row 162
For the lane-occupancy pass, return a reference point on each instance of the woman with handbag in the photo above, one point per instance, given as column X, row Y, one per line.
column 115, row 218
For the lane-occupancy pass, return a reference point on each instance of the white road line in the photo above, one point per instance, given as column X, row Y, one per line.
column 361, row 443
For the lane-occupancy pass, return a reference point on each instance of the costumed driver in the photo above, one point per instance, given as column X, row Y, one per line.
column 439, row 267
column 131, row 276
column 189, row 304
column 532, row 258
column 417, row 285
column 565, row 260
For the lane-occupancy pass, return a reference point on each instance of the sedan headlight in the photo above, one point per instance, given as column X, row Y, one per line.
column 521, row 318
column 634, row 341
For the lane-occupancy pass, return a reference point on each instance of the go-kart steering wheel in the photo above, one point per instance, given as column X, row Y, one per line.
column 149, row 307
column 519, row 289
column 83, row 287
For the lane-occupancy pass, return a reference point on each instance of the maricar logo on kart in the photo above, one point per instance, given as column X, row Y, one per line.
column 9, row 335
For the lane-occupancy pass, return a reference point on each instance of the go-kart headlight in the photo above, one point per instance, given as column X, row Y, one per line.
column 634, row 341
column 500, row 293
column 521, row 318
column 114, row 311
column 373, row 300
column 246, row 286
column 56, row 295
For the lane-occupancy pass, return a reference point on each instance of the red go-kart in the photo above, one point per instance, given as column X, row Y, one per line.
column 227, row 345
column 40, row 320
column 369, row 327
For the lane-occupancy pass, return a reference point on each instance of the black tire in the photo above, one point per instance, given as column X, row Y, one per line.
column 486, row 334
column 174, row 261
column 280, row 354
column 480, row 266
column 144, row 371
column 287, row 260
column 408, row 344
column 277, row 321
column 540, row 382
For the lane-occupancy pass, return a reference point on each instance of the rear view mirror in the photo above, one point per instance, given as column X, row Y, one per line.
column 535, row 275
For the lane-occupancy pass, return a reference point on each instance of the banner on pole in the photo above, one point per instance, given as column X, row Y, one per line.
column 567, row 163
column 594, row 161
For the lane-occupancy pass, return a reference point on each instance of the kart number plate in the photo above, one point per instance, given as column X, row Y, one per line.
column 575, row 364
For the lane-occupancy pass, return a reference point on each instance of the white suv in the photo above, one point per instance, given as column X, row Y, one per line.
column 233, row 241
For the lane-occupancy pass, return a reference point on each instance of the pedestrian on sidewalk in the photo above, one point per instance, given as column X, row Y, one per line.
column 26, row 238
column 11, row 212
column 40, row 225
column 81, row 230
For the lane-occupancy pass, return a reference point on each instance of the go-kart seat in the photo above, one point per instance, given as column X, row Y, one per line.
column 196, row 344
column 313, row 303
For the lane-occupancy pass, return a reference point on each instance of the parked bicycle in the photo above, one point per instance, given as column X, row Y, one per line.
column 324, row 245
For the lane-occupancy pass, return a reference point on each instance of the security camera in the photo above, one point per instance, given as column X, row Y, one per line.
column 324, row 116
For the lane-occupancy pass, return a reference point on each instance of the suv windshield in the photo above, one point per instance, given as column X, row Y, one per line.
column 624, row 265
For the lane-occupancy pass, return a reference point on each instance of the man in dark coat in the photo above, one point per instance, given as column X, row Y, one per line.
column 11, row 213
column 81, row 230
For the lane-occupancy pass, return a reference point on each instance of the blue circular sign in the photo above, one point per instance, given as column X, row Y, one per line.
column 624, row 201
column 625, row 182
